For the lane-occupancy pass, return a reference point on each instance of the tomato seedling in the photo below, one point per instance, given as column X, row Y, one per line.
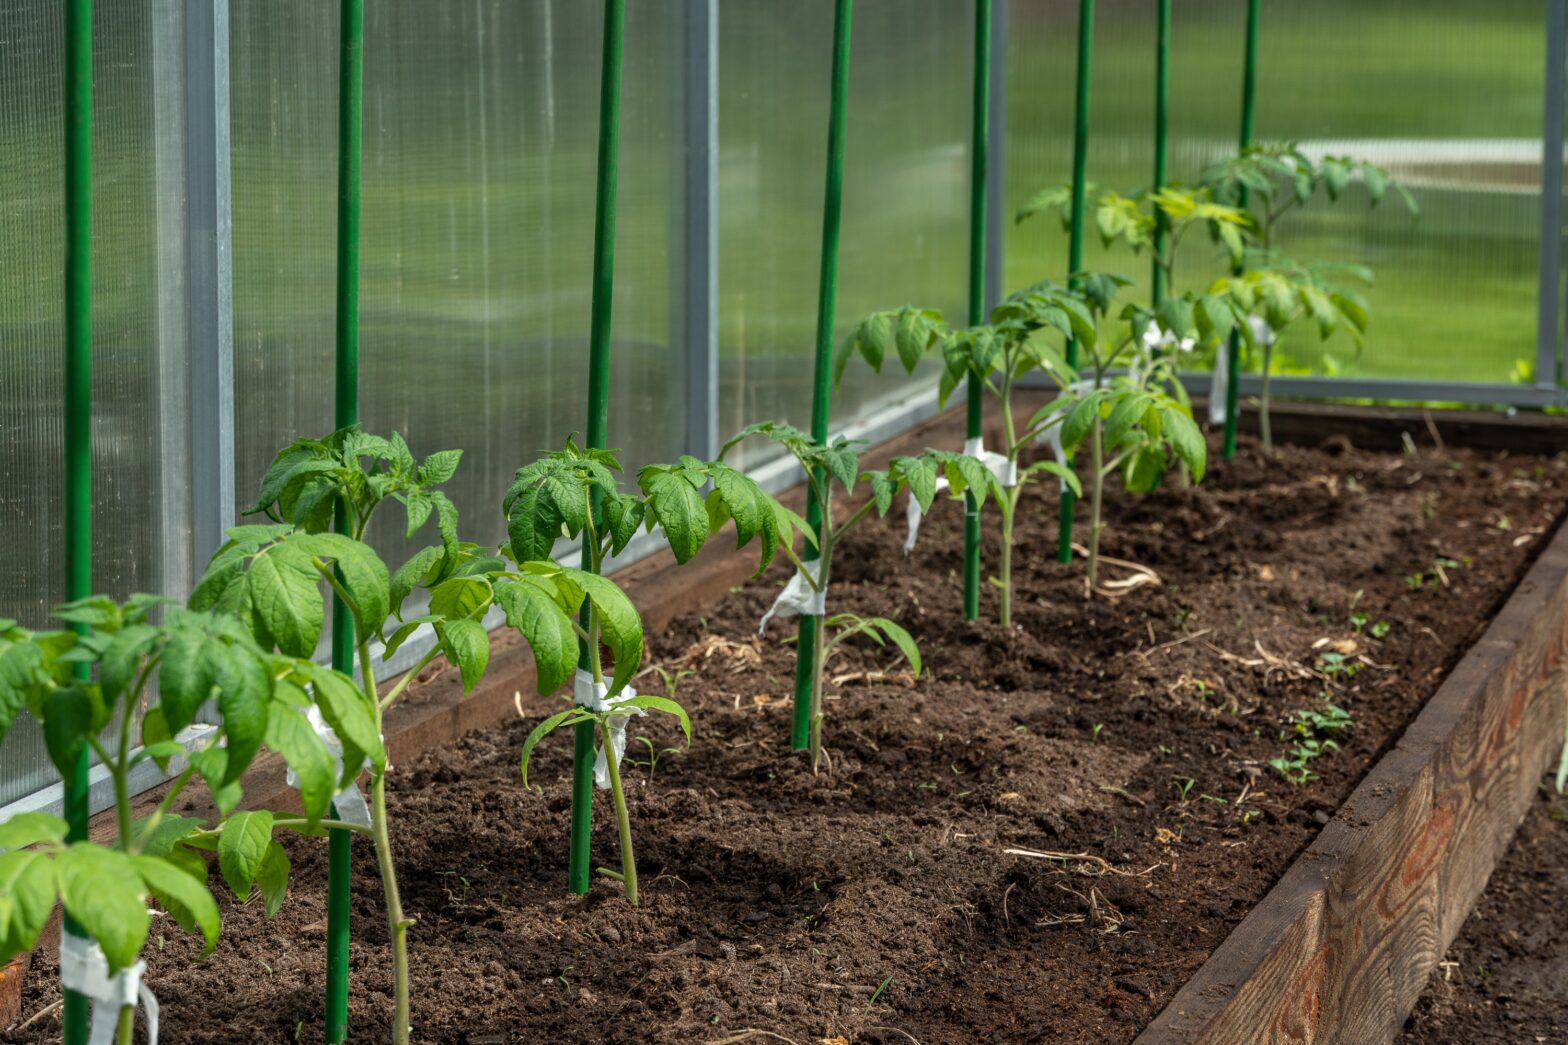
column 84, row 688
column 1000, row 354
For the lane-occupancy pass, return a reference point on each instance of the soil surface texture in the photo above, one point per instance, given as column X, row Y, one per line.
column 1041, row 840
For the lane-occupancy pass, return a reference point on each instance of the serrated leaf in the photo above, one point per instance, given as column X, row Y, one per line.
column 186, row 900
column 284, row 589
column 68, row 722
column 664, row 704
column 439, row 467
column 272, row 878
column 244, row 691
column 902, row 639
column 241, row 848
column 420, row 569
column 290, row 736
column 1186, row 439
column 466, row 645
column 347, row 710
column 677, row 506
column 543, row 730
column 103, row 891
column 29, row 888
column 531, row 607
column 25, row 829
column 619, row 623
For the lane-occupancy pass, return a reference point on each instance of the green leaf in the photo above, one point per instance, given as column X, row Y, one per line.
column 68, row 722
column 364, row 575
column 623, row 515
column 103, row 891
column 920, row 477
column 1061, row 471
column 25, row 829
column 1185, row 438
column 272, row 878
column 28, row 888
column 18, row 663
column 170, row 831
column 421, row 568
column 241, row 848
column 531, row 607
column 664, row 704
column 543, row 730
column 912, row 336
column 121, row 661
column 468, row 646
column 347, row 710
column 185, row 677
column 244, row 695
column 679, row 510
column 1143, row 469
column 459, row 598
column 842, row 463
column 872, row 339
column 186, row 900
column 619, row 624
column 1080, row 420
column 902, row 639
column 533, row 524
column 284, row 589
column 289, row 734
column 439, row 467
column 1125, row 414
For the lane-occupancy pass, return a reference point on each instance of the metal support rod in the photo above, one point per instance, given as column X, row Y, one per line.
column 978, row 184
column 821, row 386
column 579, row 867
column 351, row 44
column 700, row 306
column 1549, row 294
column 1162, row 54
column 1064, row 539
column 209, row 254
column 1249, row 91
column 77, row 510
column 996, row 167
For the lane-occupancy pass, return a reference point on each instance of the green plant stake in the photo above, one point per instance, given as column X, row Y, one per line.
column 78, row 395
column 579, row 866
column 346, row 412
column 1064, row 540
column 1162, row 54
column 1249, row 84
column 809, row 651
column 980, row 157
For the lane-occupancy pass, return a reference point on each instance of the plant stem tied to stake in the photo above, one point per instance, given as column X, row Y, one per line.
column 1064, row 541
column 78, row 392
column 580, row 866
column 807, row 677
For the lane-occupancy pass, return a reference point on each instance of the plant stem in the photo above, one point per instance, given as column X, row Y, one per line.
column 1265, row 430
column 1098, row 473
column 816, row 693
column 623, row 823
column 402, row 683
column 124, row 1030
column 397, row 923
column 1005, row 561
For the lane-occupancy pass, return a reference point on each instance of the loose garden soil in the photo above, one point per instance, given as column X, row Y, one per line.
column 1506, row 978
column 878, row 901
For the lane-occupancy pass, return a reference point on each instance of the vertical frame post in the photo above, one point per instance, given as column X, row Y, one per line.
column 1549, row 293
column 209, row 242
column 1249, row 93
column 1064, row 540
column 701, row 225
column 608, row 175
column 809, row 648
column 979, row 184
column 78, row 394
column 351, row 45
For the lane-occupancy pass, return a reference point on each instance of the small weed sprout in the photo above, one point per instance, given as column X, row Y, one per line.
column 1313, row 730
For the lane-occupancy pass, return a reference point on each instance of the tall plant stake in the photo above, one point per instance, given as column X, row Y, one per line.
column 1249, row 84
column 810, row 647
column 1064, row 540
column 980, row 161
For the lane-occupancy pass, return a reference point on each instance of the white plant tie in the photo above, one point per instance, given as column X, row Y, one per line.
column 1219, row 387
column 593, row 696
column 1006, row 473
column 798, row 598
column 349, row 802
column 85, row 970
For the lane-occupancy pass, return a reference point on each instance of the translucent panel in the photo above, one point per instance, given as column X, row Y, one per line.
column 138, row 338
column 1447, row 95
column 479, row 159
column 906, row 190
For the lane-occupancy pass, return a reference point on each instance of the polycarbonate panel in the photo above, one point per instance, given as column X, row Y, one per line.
column 1447, row 95
column 480, row 136
column 138, row 341
column 906, row 191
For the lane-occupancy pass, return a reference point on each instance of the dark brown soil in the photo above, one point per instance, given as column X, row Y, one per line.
column 1506, row 977
column 879, row 902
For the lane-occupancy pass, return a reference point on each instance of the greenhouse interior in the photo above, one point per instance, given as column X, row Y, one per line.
column 819, row 522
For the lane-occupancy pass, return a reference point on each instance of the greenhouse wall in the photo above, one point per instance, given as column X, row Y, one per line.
column 214, row 193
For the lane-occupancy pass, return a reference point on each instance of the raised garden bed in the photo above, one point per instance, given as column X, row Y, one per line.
column 878, row 901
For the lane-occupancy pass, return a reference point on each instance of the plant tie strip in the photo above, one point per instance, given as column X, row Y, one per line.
column 1006, row 473
column 593, row 696
column 85, row 970
column 1219, row 386
column 797, row 599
